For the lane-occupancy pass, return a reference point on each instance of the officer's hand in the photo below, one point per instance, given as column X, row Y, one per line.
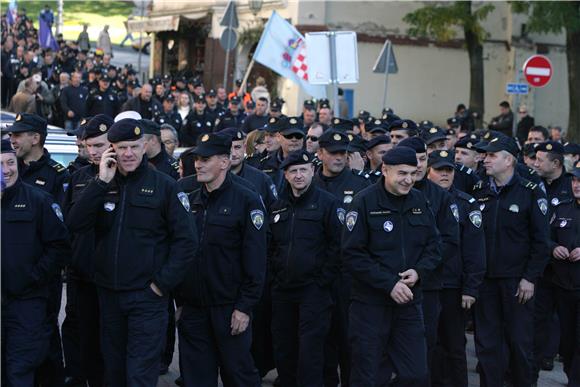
column 525, row 291
column 467, row 301
column 575, row 255
column 355, row 161
column 239, row 322
column 108, row 166
column 561, row 252
column 401, row 293
column 156, row 289
column 409, row 277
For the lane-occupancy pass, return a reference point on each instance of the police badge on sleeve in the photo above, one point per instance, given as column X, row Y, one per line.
column 184, row 200
column 350, row 220
column 543, row 204
column 475, row 218
column 455, row 211
column 57, row 211
column 257, row 217
column 341, row 214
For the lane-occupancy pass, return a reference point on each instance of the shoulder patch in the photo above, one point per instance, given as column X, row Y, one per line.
column 257, row 217
column 350, row 220
column 57, row 211
column 475, row 218
column 58, row 167
column 543, row 205
column 184, row 200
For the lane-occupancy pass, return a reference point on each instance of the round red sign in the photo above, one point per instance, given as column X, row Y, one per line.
column 538, row 70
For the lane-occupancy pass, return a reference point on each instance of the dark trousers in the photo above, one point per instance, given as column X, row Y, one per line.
column 544, row 328
column 91, row 357
column 449, row 367
column 299, row 330
column 133, row 327
column 167, row 357
column 431, row 312
column 51, row 371
column 206, row 344
column 25, row 340
column 71, row 333
column 337, row 347
column 398, row 332
column 569, row 313
column 504, row 330
column 262, row 348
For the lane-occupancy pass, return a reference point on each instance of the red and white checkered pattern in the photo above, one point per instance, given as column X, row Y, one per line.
column 299, row 67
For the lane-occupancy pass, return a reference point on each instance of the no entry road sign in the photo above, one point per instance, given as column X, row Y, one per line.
column 538, row 70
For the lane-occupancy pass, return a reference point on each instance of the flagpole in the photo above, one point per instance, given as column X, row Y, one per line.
column 245, row 80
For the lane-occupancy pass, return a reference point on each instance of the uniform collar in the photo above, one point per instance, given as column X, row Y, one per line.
column 386, row 200
column 340, row 176
column 34, row 165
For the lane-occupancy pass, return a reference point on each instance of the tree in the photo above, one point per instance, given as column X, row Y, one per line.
column 441, row 22
column 555, row 17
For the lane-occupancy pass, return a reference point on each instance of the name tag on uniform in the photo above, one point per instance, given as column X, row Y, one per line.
column 416, row 211
column 40, row 182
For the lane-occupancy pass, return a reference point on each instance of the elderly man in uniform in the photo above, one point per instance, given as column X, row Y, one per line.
column 145, row 241
column 515, row 222
column 389, row 245
column 304, row 249
column 227, row 277
column 34, row 239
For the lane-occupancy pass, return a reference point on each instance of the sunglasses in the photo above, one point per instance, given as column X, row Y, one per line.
column 312, row 138
column 296, row 136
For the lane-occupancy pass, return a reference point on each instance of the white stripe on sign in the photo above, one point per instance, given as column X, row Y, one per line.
column 541, row 71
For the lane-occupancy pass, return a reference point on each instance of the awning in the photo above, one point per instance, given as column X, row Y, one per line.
column 155, row 24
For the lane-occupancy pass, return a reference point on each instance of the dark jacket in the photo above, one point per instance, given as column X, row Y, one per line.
column 305, row 243
column 253, row 122
column 263, row 183
column 148, row 109
column 75, row 99
column 231, row 262
column 46, row 174
column 565, row 231
column 466, row 268
column 343, row 186
column 523, row 128
column 503, row 123
column 165, row 163
column 385, row 236
column 34, row 241
column 143, row 232
column 102, row 102
column 516, row 228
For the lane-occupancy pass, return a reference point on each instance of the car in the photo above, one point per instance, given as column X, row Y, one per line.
column 62, row 147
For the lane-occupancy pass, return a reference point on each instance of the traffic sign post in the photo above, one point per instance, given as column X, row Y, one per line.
column 538, row 70
column 387, row 64
column 229, row 38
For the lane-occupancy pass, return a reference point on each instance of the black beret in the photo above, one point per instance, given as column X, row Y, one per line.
column 212, row 144
column 433, row 134
column 27, row 122
column 414, row 143
column 403, row 124
column 7, row 147
column 294, row 126
column 441, row 158
column 356, row 144
column 150, row 127
column 234, row 133
column 296, row 158
column 378, row 140
column 341, row 124
column 571, row 148
column 276, row 124
column 550, row 147
column 400, row 155
column 95, row 126
column 126, row 129
column 467, row 142
column 502, row 143
column 334, row 141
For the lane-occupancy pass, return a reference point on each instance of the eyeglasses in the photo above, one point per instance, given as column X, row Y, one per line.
column 296, row 136
column 312, row 138
column 522, row 112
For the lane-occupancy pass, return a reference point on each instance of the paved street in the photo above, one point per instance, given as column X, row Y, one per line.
column 554, row 378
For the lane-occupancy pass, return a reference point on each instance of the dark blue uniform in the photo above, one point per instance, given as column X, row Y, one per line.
column 516, row 233
column 462, row 274
column 465, row 178
column 34, row 241
column 386, row 235
column 165, row 163
column 172, row 118
column 46, row 174
column 102, row 102
column 194, row 126
column 270, row 165
column 565, row 231
column 304, row 262
column 263, row 183
column 227, row 275
column 143, row 235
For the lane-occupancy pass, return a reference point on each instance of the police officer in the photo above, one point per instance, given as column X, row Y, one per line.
column 169, row 115
column 376, row 148
column 305, row 224
column 390, row 244
column 401, row 129
column 516, row 231
column 259, row 118
column 213, row 109
column 102, row 100
column 197, row 124
column 227, row 277
column 335, row 177
column 81, row 270
column 155, row 150
column 144, row 243
column 565, row 262
column 34, row 240
column 462, row 275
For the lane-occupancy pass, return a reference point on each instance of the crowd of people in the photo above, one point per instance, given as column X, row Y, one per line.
column 352, row 251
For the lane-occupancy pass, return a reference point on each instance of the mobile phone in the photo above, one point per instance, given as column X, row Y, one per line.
column 110, row 163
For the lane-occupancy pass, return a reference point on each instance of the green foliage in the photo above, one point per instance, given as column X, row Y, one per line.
column 100, row 7
column 550, row 16
column 251, row 34
column 440, row 20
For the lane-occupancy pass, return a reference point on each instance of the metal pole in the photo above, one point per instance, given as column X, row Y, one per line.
column 333, row 70
column 387, row 73
column 59, row 17
column 142, row 5
column 230, row 21
column 516, row 107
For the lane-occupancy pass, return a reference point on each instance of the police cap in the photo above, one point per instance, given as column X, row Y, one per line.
column 211, row 93
column 150, row 127
column 414, row 143
column 530, row 150
column 378, row 140
column 296, row 158
column 467, row 142
column 574, row 172
column 550, row 147
column 235, row 100
column 126, row 129
column 453, row 122
column 324, row 103
column 198, row 99
column 377, row 125
column 341, row 124
column 571, row 148
column 502, row 143
column 309, row 104
column 95, row 126
column 441, row 158
column 294, row 126
column 433, row 134
column 250, row 104
column 400, row 155
column 7, row 147
column 212, row 144
column 356, row 144
column 28, row 122
column 276, row 124
column 333, row 141
column 234, row 133
column 408, row 125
